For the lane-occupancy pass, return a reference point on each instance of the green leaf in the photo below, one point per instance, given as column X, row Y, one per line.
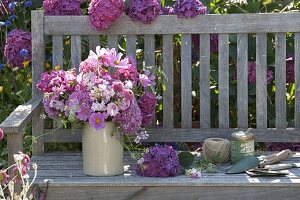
column 186, row 159
column 265, row 2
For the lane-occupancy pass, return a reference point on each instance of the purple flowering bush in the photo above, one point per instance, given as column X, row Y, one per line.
column 17, row 48
column 107, row 88
column 145, row 11
column 103, row 13
column 189, row 8
column 158, row 161
column 62, row 7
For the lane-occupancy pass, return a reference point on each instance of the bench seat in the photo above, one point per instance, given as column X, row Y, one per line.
column 64, row 170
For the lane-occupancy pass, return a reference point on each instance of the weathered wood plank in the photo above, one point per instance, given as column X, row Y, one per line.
column 190, row 135
column 93, row 42
column 18, row 119
column 14, row 145
column 230, row 23
column 280, row 80
column 186, row 81
column 149, row 54
column 57, row 49
column 112, row 41
column 131, row 45
column 38, row 49
column 297, row 80
column 242, row 80
column 168, row 103
column 38, row 128
column 75, row 51
column 170, row 193
column 223, row 81
column 261, row 80
column 205, row 81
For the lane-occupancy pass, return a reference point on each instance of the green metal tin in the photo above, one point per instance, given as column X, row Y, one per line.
column 241, row 144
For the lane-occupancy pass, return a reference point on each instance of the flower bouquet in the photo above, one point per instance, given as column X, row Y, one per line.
column 107, row 90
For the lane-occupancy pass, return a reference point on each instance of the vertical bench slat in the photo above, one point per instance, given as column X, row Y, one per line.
column 223, row 80
column 112, row 41
column 168, row 109
column 131, row 45
column 261, row 80
column 149, row 48
column 75, row 51
column 93, row 42
column 205, row 80
column 280, row 80
column 297, row 80
column 38, row 61
column 242, row 80
column 57, row 49
column 186, row 81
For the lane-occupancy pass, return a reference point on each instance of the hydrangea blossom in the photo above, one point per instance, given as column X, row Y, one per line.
column 147, row 104
column 1, row 134
column 145, row 11
column 290, row 74
column 168, row 10
column 17, row 41
column 103, row 13
column 158, row 161
column 189, row 8
column 62, row 7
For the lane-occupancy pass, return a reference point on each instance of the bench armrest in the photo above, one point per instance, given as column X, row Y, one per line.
column 18, row 119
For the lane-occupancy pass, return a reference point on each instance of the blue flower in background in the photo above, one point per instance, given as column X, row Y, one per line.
column 28, row 3
column 24, row 53
column 7, row 23
column 12, row 5
column 2, row 23
column 1, row 65
column 12, row 17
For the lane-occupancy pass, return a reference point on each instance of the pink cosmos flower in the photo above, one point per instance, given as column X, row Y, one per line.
column 113, row 58
column 147, row 80
column 1, row 134
column 112, row 109
column 97, row 120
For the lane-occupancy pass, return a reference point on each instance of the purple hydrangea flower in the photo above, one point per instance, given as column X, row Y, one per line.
column 62, row 7
column 16, row 41
column 168, row 10
column 103, row 13
column 130, row 120
column 279, row 146
column 145, row 11
column 97, row 120
column 290, row 74
column 159, row 161
column 189, row 8
column 147, row 105
column 252, row 73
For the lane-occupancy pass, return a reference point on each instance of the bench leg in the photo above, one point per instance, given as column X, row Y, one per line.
column 14, row 144
column 38, row 128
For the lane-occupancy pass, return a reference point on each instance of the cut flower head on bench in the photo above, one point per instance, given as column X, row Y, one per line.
column 108, row 87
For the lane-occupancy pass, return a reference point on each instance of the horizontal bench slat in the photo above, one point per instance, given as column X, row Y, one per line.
column 188, row 135
column 230, row 23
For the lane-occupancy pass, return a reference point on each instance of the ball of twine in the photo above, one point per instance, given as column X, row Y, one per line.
column 216, row 150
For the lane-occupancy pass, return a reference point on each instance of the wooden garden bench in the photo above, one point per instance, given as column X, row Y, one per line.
column 65, row 169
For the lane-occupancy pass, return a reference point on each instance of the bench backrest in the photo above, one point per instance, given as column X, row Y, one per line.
column 167, row 26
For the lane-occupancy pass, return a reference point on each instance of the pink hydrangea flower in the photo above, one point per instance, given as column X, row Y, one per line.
column 62, row 7
column 97, row 120
column 103, row 13
column 1, row 134
column 189, row 8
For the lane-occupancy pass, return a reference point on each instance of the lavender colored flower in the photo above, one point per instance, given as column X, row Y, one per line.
column 168, row 10
column 145, row 11
column 16, row 41
column 129, row 120
column 62, row 7
column 290, row 73
column 146, row 79
column 97, row 120
column 1, row 134
column 103, row 13
column 159, row 161
column 189, row 8
column 252, row 73
column 147, row 105
column 193, row 173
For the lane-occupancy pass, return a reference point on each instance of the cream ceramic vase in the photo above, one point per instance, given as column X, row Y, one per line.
column 102, row 152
